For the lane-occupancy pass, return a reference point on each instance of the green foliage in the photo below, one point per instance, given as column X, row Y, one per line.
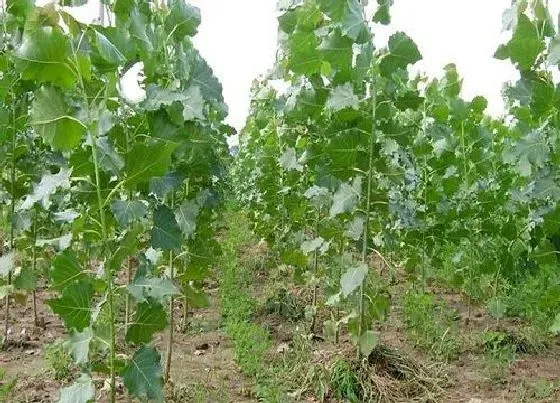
column 344, row 381
column 59, row 360
column 430, row 325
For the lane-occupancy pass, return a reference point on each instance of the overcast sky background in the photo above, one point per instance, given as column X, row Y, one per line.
column 238, row 39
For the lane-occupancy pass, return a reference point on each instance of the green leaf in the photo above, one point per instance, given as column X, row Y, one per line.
column 555, row 327
column 353, row 279
column 143, row 375
column 145, row 161
column 288, row 160
column 191, row 100
column 149, row 319
column 26, row 279
column 186, row 216
column 51, row 118
column 347, row 15
column 183, row 20
column 554, row 52
column 79, row 345
column 128, row 246
column 545, row 253
column 44, row 55
column 81, row 391
column 367, row 343
column 355, row 229
column 497, row 308
column 74, row 307
column 525, row 45
column 402, row 52
column 6, row 290
column 166, row 234
column 346, row 197
column 304, row 56
column 128, row 211
column 343, row 97
column 49, row 185
column 66, row 268
column 336, row 49
column 382, row 14
column 152, row 287
column 7, row 263
column 107, row 50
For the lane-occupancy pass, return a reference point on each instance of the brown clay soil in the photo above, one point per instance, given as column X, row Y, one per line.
column 204, row 368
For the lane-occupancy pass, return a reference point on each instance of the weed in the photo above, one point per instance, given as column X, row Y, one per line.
column 430, row 325
column 283, row 303
column 6, row 387
column 344, row 381
column 59, row 360
column 500, row 351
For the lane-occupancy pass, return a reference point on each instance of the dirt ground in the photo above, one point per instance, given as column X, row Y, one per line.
column 204, row 369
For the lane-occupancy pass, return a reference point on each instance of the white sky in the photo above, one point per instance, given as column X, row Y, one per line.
column 238, row 39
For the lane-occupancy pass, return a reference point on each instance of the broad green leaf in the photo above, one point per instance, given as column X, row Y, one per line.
column 127, row 246
column 353, row 279
column 368, row 342
column 402, row 52
column 51, row 118
column 7, row 263
column 191, row 100
column 382, row 14
column 183, row 20
column 109, row 159
column 161, row 186
column 66, row 268
column 166, row 234
column 186, row 216
column 343, row 97
column 336, row 49
column 355, row 228
column 348, row 15
column 319, row 196
column 20, row 8
column 525, row 45
column 149, row 318
column 79, row 345
column 555, row 327
column 312, row 245
column 155, row 288
column 128, row 211
column 44, row 56
column 6, row 290
column 545, row 253
column 289, row 161
column 143, row 375
column 49, row 185
column 497, row 308
column 554, row 52
column 346, row 197
column 304, row 55
column 25, row 279
column 145, row 161
column 108, row 50
column 203, row 77
column 74, row 306
column 81, row 391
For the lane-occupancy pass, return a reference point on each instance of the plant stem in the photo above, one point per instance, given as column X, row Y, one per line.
column 12, row 209
column 315, row 270
column 34, row 266
column 170, row 335
column 373, row 90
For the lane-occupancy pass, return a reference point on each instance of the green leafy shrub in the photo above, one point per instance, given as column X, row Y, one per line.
column 430, row 325
column 59, row 360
